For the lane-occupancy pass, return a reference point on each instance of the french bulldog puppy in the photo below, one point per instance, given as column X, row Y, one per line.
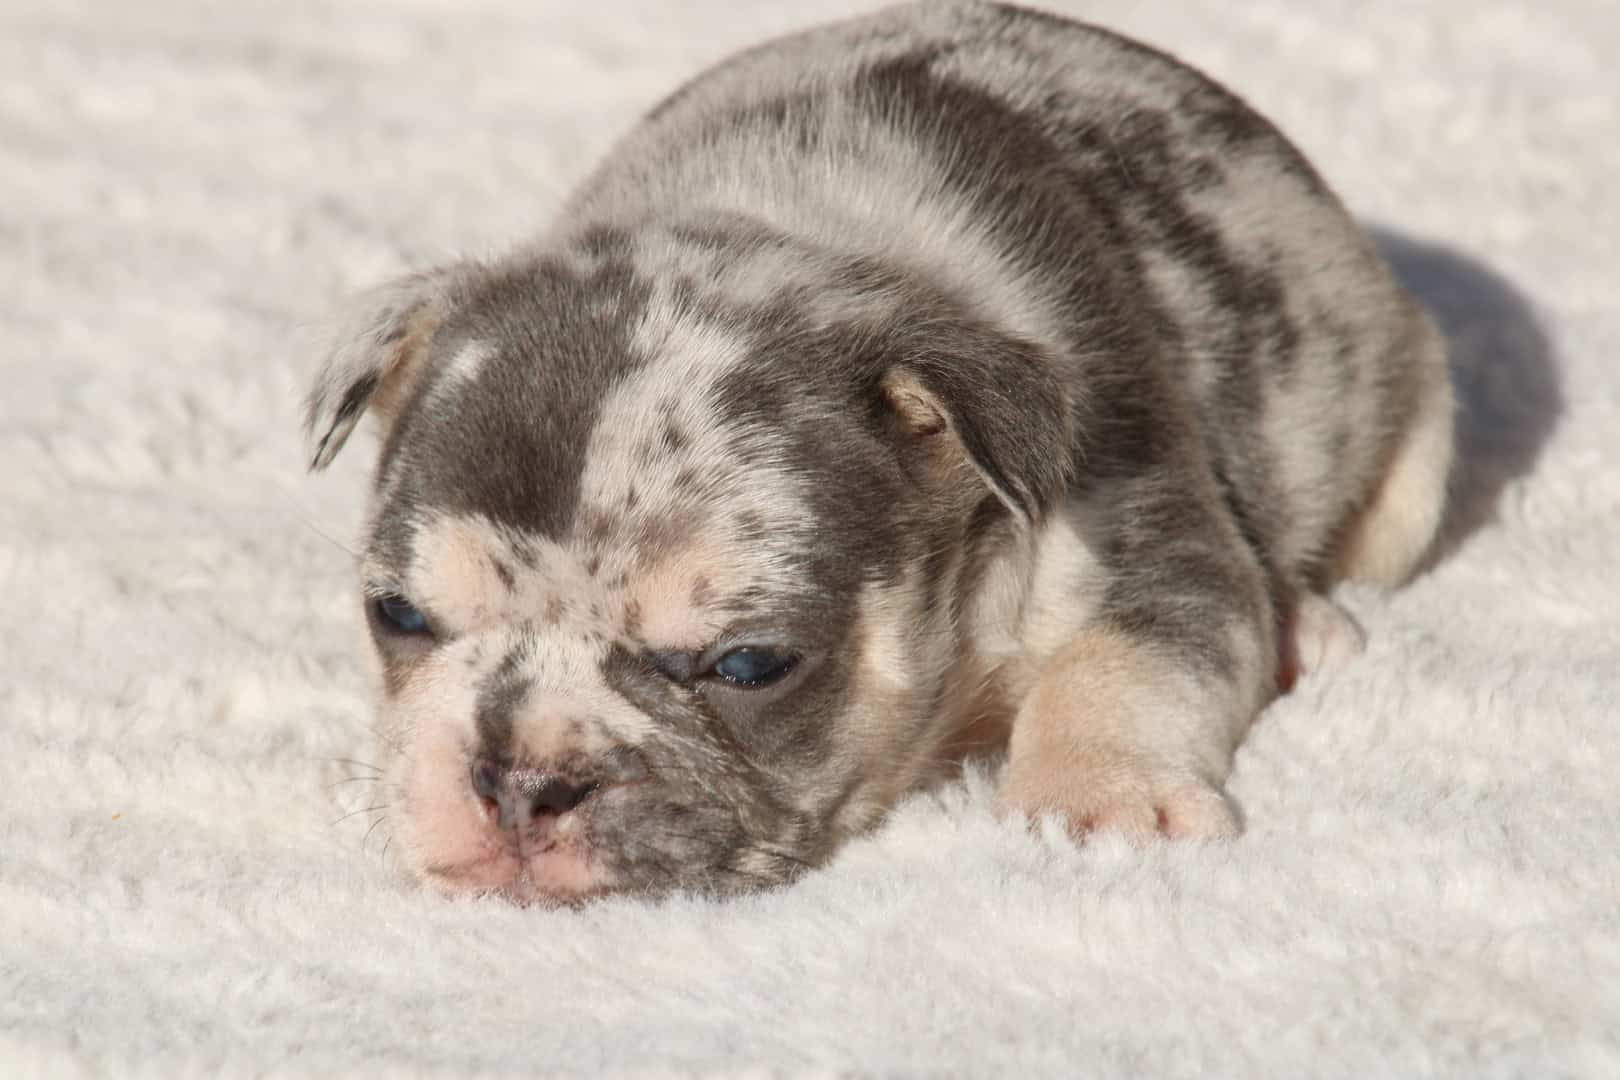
column 954, row 373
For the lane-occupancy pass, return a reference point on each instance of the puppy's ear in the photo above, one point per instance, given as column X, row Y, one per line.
column 998, row 404
column 374, row 353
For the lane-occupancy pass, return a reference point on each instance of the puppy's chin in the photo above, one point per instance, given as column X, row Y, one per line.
column 558, row 876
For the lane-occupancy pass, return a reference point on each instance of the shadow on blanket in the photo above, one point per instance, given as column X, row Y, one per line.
column 1509, row 397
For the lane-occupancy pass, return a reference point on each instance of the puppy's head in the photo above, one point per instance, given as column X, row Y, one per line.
column 666, row 538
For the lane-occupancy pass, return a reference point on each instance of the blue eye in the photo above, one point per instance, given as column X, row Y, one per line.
column 397, row 614
column 754, row 665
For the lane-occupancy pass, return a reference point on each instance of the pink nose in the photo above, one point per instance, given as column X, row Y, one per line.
column 520, row 794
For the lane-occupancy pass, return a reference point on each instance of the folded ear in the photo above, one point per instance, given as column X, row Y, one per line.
column 1001, row 404
column 374, row 352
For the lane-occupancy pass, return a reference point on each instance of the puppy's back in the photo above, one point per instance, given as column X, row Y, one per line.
column 1085, row 192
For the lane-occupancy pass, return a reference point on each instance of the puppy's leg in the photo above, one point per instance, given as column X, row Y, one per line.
column 1114, row 736
column 1132, row 724
column 1391, row 535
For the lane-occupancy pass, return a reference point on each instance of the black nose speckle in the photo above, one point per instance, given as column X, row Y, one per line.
column 520, row 794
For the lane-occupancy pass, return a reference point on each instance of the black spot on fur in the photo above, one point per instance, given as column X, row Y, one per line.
column 702, row 591
column 355, row 398
column 504, row 573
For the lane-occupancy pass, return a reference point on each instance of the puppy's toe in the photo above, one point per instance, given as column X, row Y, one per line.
column 1321, row 636
column 1139, row 802
column 1197, row 811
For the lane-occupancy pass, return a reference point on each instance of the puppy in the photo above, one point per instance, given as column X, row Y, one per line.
column 953, row 373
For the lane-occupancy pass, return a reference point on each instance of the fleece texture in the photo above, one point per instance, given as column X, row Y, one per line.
column 189, row 882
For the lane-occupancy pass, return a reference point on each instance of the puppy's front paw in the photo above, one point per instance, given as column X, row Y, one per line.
column 1114, row 791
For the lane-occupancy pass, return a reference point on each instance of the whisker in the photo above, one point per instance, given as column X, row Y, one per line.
column 380, row 819
column 362, row 810
column 308, row 521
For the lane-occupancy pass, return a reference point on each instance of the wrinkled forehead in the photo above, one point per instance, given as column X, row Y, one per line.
column 586, row 428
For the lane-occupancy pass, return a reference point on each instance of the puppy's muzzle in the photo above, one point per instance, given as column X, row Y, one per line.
column 518, row 796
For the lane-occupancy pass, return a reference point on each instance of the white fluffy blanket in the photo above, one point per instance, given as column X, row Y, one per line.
column 1430, row 878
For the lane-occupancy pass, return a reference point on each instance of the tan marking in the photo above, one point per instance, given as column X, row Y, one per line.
column 551, row 729
column 1114, row 736
column 1388, row 539
column 918, row 409
column 400, row 375
column 452, row 575
column 667, row 598
column 888, row 616
column 891, row 737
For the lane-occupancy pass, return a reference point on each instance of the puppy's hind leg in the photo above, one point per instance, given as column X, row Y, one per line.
column 1389, row 536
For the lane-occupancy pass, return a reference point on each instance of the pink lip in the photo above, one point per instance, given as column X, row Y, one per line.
column 553, row 875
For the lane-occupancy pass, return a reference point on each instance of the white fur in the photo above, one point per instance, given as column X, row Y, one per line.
column 686, row 356
column 462, row 369
column 1428, row 881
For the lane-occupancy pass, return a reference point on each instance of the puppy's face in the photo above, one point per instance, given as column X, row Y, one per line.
column 659, row 567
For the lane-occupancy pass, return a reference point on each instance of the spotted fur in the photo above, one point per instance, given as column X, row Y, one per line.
column 1001, row 371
